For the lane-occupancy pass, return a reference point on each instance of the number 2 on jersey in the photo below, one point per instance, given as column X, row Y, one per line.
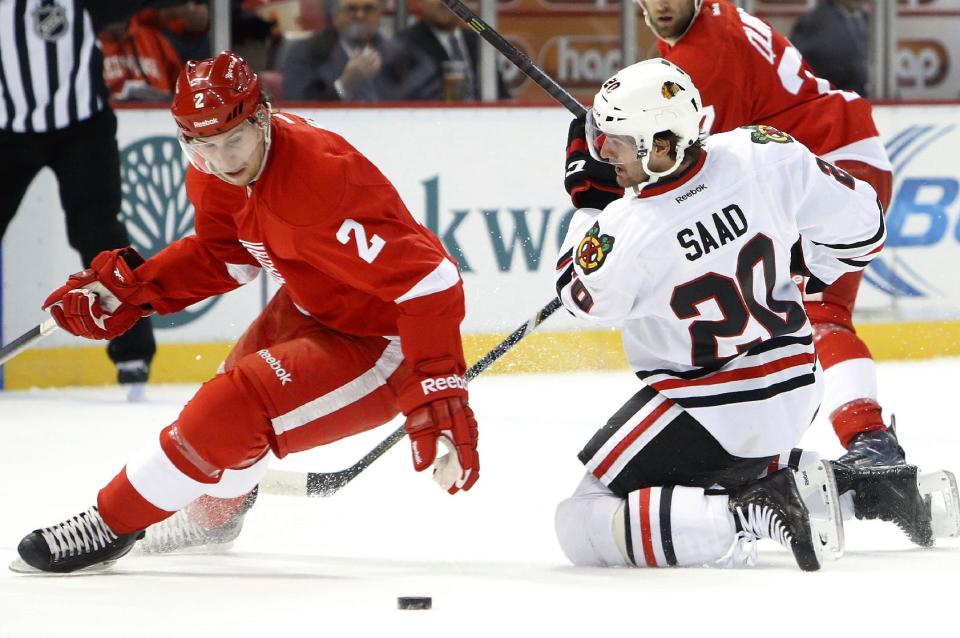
column 737, row 302
column 367, row 251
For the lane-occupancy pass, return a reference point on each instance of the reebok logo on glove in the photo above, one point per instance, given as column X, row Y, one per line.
column 274, row 363
column 443, row 383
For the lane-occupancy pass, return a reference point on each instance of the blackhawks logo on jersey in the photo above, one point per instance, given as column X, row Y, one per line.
column 593, row 249
column 762, row 134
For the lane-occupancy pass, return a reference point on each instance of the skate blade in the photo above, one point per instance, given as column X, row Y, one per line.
column 940, row 489
column 818, row 489
column 207, row 549
column 20, row 567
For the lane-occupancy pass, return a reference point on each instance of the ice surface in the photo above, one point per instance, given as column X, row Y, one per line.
column 489, row 559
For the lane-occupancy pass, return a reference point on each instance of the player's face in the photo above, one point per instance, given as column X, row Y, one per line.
column 669, row 18
column 234, row 156
column 629, row 169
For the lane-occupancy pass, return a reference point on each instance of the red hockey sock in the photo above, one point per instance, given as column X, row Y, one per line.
column 211, row 512
column 124, row 509
column 856, row 417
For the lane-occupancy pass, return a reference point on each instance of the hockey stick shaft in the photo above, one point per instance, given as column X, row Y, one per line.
column 516, row 56
column 27, row 340
column 290, row 483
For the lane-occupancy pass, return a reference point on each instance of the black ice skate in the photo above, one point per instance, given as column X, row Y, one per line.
column 182, row 535
column 772, row 508
column 81, row 542
column 132, row 377
column 879, row 447
column 888, row 493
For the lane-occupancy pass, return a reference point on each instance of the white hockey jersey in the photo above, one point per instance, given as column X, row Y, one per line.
column 696, row 273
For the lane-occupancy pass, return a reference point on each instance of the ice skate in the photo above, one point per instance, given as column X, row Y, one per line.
column 879, row 447
column 82, row 542
column 772, row 508
column 888, row 493
column 132, row 377
column 200, row 527
column 939, row 490
column 817, row 486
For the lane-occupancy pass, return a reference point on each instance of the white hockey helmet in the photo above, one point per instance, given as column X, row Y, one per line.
column 640, row 101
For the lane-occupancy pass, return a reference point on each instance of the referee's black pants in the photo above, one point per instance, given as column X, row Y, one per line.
column 86, row 161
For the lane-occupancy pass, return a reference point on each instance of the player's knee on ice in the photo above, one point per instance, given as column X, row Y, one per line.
column 585, row 524
column 683, row 526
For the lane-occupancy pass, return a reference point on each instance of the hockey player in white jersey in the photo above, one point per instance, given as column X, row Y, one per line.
column 694, row 265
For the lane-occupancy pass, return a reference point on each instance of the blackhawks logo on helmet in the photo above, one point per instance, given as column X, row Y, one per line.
column 762, row 134
column 593, row 249
column 669, row 90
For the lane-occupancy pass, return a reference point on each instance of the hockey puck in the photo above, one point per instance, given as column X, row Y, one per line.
column 414, row 602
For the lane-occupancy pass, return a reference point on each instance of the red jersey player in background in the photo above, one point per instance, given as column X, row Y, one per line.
column 748, row 73
column 365, row 325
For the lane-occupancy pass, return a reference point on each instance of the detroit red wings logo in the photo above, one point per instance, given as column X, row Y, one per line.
column 593, row 249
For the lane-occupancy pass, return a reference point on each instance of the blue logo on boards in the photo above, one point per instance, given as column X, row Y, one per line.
column 155, row 208
column 918, row 216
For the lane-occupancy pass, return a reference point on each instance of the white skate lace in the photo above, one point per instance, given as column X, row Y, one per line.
column 756, row 523
column 179, row 532
column 85, row 532
column 175, row 532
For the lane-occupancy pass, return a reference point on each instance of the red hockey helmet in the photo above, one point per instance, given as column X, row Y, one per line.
column 214, row 95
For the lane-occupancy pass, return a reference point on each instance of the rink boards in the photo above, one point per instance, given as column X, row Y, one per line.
column 488, row 182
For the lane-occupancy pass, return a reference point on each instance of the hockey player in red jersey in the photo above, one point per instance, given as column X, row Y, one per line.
column 365, row 325
column 748, row 73
column 693, row 265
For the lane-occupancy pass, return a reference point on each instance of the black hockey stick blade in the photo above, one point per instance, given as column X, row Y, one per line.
column 291, row 483
column 27, row 340
column 516, row 56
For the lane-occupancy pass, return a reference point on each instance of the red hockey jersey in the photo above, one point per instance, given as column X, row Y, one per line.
column 325, row 223
column 747, row 73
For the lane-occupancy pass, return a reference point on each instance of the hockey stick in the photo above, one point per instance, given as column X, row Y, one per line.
column 327, row 483
column 26, row 340
column 516, row 56
column 289, row 483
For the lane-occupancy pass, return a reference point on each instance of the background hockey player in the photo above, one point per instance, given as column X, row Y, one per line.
column 748, row 73
column 365, row 324
column 693, row 264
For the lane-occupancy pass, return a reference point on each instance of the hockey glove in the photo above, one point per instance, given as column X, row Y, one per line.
column 449, row 421
column 91, row 303
column 590, row 183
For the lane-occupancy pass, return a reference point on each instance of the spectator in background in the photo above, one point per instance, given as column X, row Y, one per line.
column 455, row 52
column 139, row 63
column 63, row 121
column 834, row 39
column 352, row 61
column 187, row 26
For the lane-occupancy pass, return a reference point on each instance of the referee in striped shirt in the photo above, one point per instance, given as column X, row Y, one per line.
column 54, row 112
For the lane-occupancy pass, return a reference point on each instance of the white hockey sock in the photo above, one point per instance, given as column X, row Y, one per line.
column 668, row 526
column 848, row 381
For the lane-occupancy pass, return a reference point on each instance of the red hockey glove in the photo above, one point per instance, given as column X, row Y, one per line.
column 91, row 303
column 449, row 421
column 590, row 183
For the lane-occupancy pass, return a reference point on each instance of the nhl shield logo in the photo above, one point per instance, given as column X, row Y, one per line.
column 593, row 249
column 50, row 21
